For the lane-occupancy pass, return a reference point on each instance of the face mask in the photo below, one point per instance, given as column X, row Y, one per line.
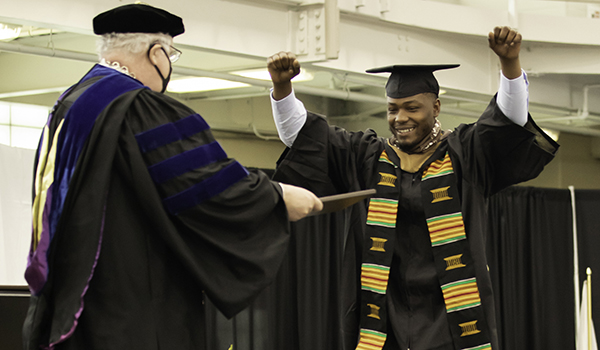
column 165, row 81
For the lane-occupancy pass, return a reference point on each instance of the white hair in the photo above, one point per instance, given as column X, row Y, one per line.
column 132, row 43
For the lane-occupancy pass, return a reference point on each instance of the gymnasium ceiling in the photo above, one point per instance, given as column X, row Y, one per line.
column 564, row 70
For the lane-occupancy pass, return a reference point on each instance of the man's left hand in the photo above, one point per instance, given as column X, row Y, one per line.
column 505, row 42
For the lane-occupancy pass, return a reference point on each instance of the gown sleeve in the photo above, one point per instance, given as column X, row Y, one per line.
column 329, row 160
column 227, row 225
column 496, row 153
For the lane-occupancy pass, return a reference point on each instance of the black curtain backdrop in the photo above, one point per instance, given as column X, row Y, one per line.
column 587, row 204
column 301, row 309
column 530, row 256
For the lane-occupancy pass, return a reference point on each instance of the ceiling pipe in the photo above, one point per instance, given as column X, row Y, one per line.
column 339, row 94
column 87, row 57
column 48, row 52
column 583, row 113
column 570, row 129
column 343, row 95
column 541, row 123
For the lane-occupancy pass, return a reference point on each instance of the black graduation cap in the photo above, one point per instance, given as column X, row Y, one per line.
column 410, row 80
column 137, row 18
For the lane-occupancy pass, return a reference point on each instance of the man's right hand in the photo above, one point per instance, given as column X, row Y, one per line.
column 283, row 66
column 299, row 201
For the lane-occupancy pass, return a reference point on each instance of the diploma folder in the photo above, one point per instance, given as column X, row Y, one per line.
column 341, row 201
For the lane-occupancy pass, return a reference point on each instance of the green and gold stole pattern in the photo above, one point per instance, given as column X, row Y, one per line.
column 377, row 256
column 452, row 257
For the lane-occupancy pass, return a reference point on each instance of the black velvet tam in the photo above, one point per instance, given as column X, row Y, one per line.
column 410, row 80
column 137, row 18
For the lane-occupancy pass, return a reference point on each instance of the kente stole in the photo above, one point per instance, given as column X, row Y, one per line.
column 452, row 256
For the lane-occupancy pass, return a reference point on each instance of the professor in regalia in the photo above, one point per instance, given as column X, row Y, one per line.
column 138, row 213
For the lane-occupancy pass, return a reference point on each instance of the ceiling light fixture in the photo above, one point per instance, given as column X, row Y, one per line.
column 263, row 74
column 198, row 84
column 8, row 32
column 33, row 92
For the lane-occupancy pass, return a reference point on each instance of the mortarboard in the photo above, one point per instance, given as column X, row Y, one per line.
column 137, row 18
column 410, row 80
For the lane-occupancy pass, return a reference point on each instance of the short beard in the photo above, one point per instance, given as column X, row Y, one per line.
column 403, row 147
column 422, row 145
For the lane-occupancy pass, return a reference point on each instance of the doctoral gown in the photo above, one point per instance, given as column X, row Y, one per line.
column 487, row 156
column 140, row 214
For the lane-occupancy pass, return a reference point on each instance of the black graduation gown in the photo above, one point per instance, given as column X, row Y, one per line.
column 487, row 156
column 129, row 267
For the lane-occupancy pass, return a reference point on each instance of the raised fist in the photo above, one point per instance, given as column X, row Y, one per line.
column 283, row 66
column 505, row 42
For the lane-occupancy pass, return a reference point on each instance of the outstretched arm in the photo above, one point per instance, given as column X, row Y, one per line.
column 513, row 92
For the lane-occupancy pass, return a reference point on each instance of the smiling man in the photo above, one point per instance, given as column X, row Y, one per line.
column 420, row 277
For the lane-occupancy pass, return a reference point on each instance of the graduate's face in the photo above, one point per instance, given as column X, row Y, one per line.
column 412, row 118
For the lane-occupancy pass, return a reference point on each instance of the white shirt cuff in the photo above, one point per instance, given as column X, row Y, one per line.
column 289, row 115
column 513, row 98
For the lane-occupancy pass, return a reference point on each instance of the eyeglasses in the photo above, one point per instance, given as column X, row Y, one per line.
column 174, row 54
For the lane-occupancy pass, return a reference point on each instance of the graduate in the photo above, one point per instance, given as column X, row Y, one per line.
column 420, row 279
column 138, row 213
